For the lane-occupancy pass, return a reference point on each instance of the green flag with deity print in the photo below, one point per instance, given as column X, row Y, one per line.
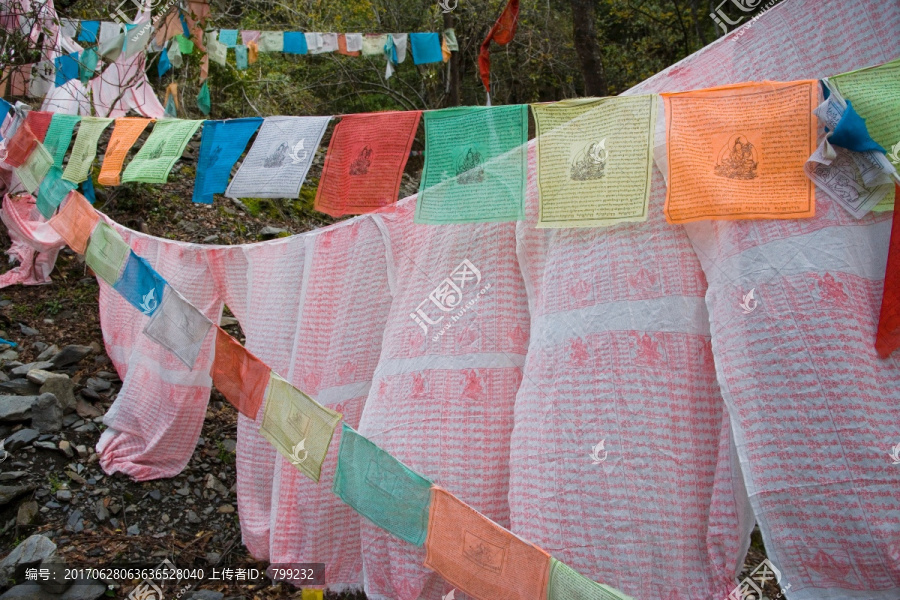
column 85, row 148
column 106, row 253
column 475, row 165
column 594, row 160
column 59, row 136
column 874, row 93
column 298, row 426
column 381, row 488
column 157, row 156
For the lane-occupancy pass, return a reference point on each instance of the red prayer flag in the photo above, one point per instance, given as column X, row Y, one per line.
column 502, row 32
column 239, row 375
column 20, row 145
column 365, row 162
column 888, row 337
column 39, row 122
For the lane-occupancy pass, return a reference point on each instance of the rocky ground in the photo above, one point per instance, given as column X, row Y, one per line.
column 56, row 504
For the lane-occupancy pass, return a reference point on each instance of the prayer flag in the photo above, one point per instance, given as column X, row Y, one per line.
column 271, row 41
column 594, row 160
column 157, row 156
column 218, row 53
column 294, row 42
column 52, row 191
column 475, row 165
column 502, row 33
column 75, row 221
column 203, row 101
column 478, row 556
column 141, row 285
column 106, row 253
column 353, row 43
column 87, row 65
column 174, row 54
column 66, row 68
column 221, row 146
column 239, row 375
column 252, row 52
column 178, row 326
column 32, row 173
column 298, row 426
column 39, row 122
column 248, row 36
column 20, row 146
column 89, row 32
column 185, row 45
column 279, row 159
column 85, row 148
column 738, row 152
column 342, row 47
column 164, row 64
column 365, row 162
column 228, row 37
column 124, row 135
column 381, row 488
column 59, row 136
column 426, row 48
column 568, row 584
column 888, row 337
column 240, row 57
column 874, row 93
column 373, row 44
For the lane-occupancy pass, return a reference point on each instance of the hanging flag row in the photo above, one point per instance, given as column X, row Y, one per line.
column 744, row 151
column 469, row 550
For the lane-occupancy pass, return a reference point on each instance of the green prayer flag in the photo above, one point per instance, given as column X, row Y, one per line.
column 298, row 426
column 271, row 41
column 59, row 136
column 87, row 65
column 568, row 584
column 475, row 165
column 594, row 160
column 157, row 156
column 85, row 148
column 32, row 173
column 52, row 192
column 106, row 253
column 174, row 54
column 381, row 488
column 184, row 44
column 203, row 102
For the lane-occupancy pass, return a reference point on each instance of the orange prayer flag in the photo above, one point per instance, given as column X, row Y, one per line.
column 342, row 46
column 365, row 162
column 478, row 556
column 239, row 375
column 124, row 135
column 75, row 221
column 738, row 151
column 252, row 52
column 39, row 122
column 20, row 145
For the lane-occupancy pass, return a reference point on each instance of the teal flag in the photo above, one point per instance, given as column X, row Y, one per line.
column 381, row 488
column 203, row 102
column 475, row 165
column 59, row 136
column 52, row 191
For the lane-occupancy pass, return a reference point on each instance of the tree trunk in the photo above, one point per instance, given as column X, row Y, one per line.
column 588, row 48
column 453, row 84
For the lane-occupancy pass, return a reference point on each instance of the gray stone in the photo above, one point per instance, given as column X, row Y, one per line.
column 86, row 428
column 100, row 511
column 21, row 438
column 70, row 355
column 8, row 493
column 47, row 353
column 211, row 238
column 229, row 445
column 74, row 522
column 38, row 376
column 45, row 445
column 108, row 376
column 12, row 475
column 133, row 530
column 29, row 553
column 62, row 387
column 26, row 330
column 57, row 583
column 27, row 512
column 227, row 321
column 46, row 413
column 20, row 387
column 16, row 408
column 66, row 447
column 155, row 495
column 9, row 355
column 269, row 232
column 64, row 495
column 97, row 384
column 34, row 366
column 204, row 595
column 193, row 518
column 213, row 557
column 89, row 394
column 70, row 419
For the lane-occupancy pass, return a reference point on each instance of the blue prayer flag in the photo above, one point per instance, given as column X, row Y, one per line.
column 294, row 43
column 851, row 133
column 426, row 48
column 228, row 37
column 89, row 31
column 66, row 68
column 52, row 192
column 222, row 144
column 87, row 190
column 140, row 284
column 164, row 64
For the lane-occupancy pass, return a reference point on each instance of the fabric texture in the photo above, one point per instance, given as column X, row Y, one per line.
column 887, row 338
column 124, row 135
column 271, row 41
column 203, row 100
column 75, row 222
column 567, row 584
column 32, row 173
column 373, row 44
column 239, row 375
column 178, row 326
column 89, row 32
column 35, row 245
column 240, row 57
column 501, row 33
column 365, row 162
column 39, row 122
column 59, row 136
column 294, row 43
column 140, row 284
column 106, row 253
column 20, row 146
column 163, row 148
column 426, row 48
column 222, row 144
column 381, row 488
column 52, row 192
column 299, row 427
column 480, row 557
column 228, row 37
column 66, row 68
column 476, row 165
column 85, row 149
column 248, row 36
column 88, row 65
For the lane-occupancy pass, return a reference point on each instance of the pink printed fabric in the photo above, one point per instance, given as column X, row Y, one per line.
column 344, row 304
column 153, row 426
column 813, row 409
column 123, row 86
column 620, row 464
column 35, row 245
column 442, row 396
